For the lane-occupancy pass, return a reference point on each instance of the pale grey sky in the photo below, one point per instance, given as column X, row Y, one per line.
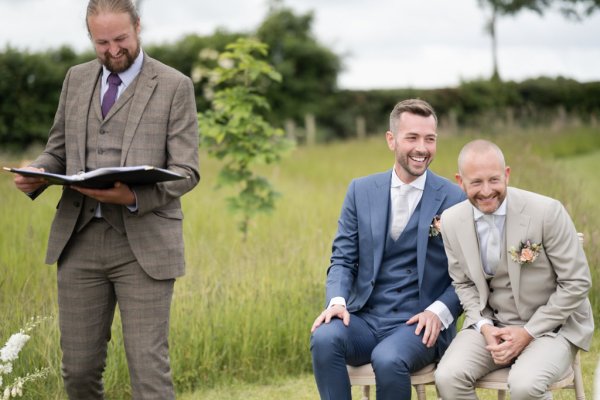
column 385, row 43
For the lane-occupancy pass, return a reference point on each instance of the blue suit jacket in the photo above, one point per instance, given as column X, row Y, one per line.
column 360, row 241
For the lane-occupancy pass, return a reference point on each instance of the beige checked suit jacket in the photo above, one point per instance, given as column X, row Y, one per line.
column 161, row 130
column 550, row 293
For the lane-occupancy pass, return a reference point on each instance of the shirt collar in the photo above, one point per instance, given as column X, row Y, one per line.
column 129, row 74
column 418, row 183
column 501, row 211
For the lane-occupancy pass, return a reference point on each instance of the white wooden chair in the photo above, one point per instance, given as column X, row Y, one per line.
column 573, row 378
column 365, row 377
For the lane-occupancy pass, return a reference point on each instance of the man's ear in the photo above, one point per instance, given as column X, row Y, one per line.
column 458, row 179
column 391, row 140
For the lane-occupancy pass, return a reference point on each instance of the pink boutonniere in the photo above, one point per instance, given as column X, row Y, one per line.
column 526, row 253
column 435, row 227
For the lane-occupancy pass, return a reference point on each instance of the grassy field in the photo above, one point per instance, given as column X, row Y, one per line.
column 241, row 315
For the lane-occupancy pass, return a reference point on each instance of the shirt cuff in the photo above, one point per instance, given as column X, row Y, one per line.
column 134, row 207
column 337, row 301
column 443, row 313
column 483, row 322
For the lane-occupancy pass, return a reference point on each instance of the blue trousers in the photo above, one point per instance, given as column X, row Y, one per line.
column 394, row 354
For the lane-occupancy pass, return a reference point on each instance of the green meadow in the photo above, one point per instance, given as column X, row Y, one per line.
column 242, row 313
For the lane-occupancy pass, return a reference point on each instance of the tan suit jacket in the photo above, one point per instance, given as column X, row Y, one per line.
column 550, row 293
column 161, row 130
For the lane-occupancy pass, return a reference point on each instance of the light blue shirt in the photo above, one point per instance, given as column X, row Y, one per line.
column 127, row 76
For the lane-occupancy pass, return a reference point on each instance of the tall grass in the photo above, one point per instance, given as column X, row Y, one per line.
column 242, row 312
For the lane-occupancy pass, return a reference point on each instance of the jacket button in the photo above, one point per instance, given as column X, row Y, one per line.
column 496, row 311
column 491, row 290
column 372, row 283
column 76, row 204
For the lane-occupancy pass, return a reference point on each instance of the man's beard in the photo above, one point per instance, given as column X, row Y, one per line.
column 123, row 63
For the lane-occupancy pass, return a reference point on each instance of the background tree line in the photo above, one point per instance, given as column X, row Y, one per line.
column 30, row 86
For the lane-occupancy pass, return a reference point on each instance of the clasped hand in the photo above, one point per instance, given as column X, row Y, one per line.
column 505, row 344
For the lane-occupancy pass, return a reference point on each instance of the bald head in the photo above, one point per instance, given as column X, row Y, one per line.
column 483, row 175
column 479, row 147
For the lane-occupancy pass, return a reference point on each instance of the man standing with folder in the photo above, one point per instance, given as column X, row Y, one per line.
column 124, row 244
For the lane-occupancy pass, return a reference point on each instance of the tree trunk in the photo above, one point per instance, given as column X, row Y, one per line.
column 492, row 29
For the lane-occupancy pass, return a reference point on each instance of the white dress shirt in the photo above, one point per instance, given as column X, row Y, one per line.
column 482, row 233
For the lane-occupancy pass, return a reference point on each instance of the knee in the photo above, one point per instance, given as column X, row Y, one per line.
column 521, row 387
column 385, row 361
column 326, row 340
column 444, row 377
column 448, row 376
column 82, row 371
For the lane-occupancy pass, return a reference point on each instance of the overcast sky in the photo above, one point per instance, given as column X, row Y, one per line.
column 384, row 43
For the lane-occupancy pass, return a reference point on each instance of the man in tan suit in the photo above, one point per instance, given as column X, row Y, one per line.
column 122, row 245
column 522, row 278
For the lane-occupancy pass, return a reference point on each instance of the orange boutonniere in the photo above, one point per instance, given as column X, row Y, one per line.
column 435, row 227
column 526, row 253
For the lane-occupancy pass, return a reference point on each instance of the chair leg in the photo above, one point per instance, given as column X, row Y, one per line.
column 501, row 394
column 578, row 379
column 420, row 389
column 366, row 392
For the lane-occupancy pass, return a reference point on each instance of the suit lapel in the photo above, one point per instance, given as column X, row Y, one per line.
column 144, row 87
column 84, row 102
column 516, row 230
column 470, row 249
column 379, row 205
column 430, row 202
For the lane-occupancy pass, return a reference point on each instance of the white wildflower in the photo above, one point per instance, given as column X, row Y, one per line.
column 9, row 353
column 197, row 74
column 225, row 63
column 208, row 54
column 11, row 349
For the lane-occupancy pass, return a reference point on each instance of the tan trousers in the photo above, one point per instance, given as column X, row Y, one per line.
column 96, row 272
column 540, row 364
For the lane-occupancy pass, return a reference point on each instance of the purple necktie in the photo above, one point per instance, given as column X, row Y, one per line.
column 111, row 94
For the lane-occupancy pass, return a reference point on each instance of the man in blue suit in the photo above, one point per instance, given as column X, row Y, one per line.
column 389, row 297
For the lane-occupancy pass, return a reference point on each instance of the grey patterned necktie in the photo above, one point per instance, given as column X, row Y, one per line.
column 493, row 244
column 111, row 94
column 400, row 211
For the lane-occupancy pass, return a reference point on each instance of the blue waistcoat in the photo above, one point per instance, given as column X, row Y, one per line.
column 395, row 295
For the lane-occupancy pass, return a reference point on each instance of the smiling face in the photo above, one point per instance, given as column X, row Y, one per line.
column 414, row 145
column 115, row 38
column 484, row 178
